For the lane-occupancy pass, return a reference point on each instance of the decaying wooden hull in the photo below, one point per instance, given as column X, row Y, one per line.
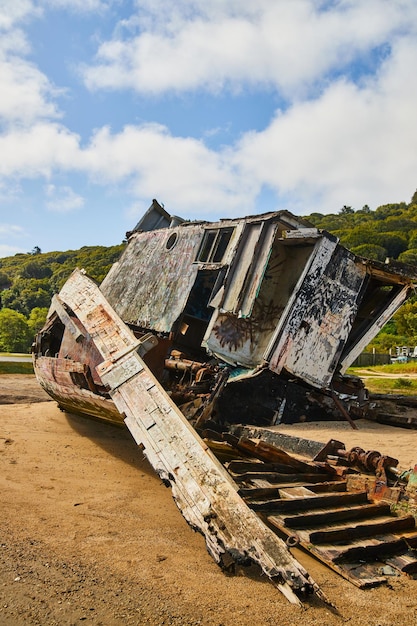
column 201, row 330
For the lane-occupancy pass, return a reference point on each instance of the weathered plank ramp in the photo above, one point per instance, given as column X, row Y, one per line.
column 203, row 490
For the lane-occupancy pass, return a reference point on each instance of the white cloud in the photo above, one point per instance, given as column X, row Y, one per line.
column 8, row 233
column 288, row 46
column 338, row 143
column 349, row 146
column 38, row 151
column 10, row 191
column 6, row 250
column 62, row 199
column 14, row 11
column 25, row 91
column 191, row 177
column 81, row 6
column 11, row 230
column 148, row 159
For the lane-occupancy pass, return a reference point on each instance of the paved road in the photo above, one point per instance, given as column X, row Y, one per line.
column 25, row 358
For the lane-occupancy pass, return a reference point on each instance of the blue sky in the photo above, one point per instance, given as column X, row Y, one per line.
column 217, row 109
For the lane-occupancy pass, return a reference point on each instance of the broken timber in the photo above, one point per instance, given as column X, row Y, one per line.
column 202, row 489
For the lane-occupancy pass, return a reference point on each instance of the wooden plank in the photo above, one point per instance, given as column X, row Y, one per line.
column 276, row 478
column 58, row 307
column 239, row 466
column 202, row 488
column 360, row 561
column 259, row 482
column 295, row 492
column 314, row 502
column 326, row 486
column 267, row 491
column 367, row 549
column 302, row 233
column 223, row 450
column 255, row 493
column 324, row 517
column 406, row 563
column 368, row 528
column 269, row 453
column 358, row 572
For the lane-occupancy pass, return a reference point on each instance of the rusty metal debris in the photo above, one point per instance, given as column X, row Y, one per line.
column 203, row 329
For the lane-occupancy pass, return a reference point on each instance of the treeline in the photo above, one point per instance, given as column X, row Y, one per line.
column 28, row 282
column 389, row 231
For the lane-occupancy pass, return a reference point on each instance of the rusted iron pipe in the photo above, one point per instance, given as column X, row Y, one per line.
column 370, row 460
column 343, row 410
column 183, row 365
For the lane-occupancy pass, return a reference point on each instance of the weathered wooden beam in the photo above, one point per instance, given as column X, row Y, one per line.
column 203, row 490
column 58, row 307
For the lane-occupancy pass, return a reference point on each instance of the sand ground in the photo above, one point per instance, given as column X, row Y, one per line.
column 88, row 533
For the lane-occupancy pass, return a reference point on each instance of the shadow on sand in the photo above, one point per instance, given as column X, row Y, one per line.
column 116, row 440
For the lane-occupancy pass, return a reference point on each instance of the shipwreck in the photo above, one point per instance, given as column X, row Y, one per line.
column 202, row 339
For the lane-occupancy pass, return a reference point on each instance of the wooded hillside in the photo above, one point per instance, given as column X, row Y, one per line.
column 389, row 231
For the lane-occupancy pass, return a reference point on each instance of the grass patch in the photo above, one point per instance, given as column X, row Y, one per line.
column 14, row 367
column 401, row 386
column 389, row 368
column 404, row 382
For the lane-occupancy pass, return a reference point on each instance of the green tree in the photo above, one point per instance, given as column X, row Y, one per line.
column 358, row 236
column 401, row 224
column 33, row 269
column 15, row 335
column 412, row 239
column 370, row 251
column 37, row 319
column 387, row 210
column 386, row 342
column 34, row 298
column 394, row 242
column 409, row 256
column 10, row 299
column 5, row 281
column 406, row 320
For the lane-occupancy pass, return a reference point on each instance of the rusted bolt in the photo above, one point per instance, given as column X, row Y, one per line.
column 292, row 541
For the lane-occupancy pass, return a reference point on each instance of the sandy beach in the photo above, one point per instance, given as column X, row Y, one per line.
column 90, row 534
